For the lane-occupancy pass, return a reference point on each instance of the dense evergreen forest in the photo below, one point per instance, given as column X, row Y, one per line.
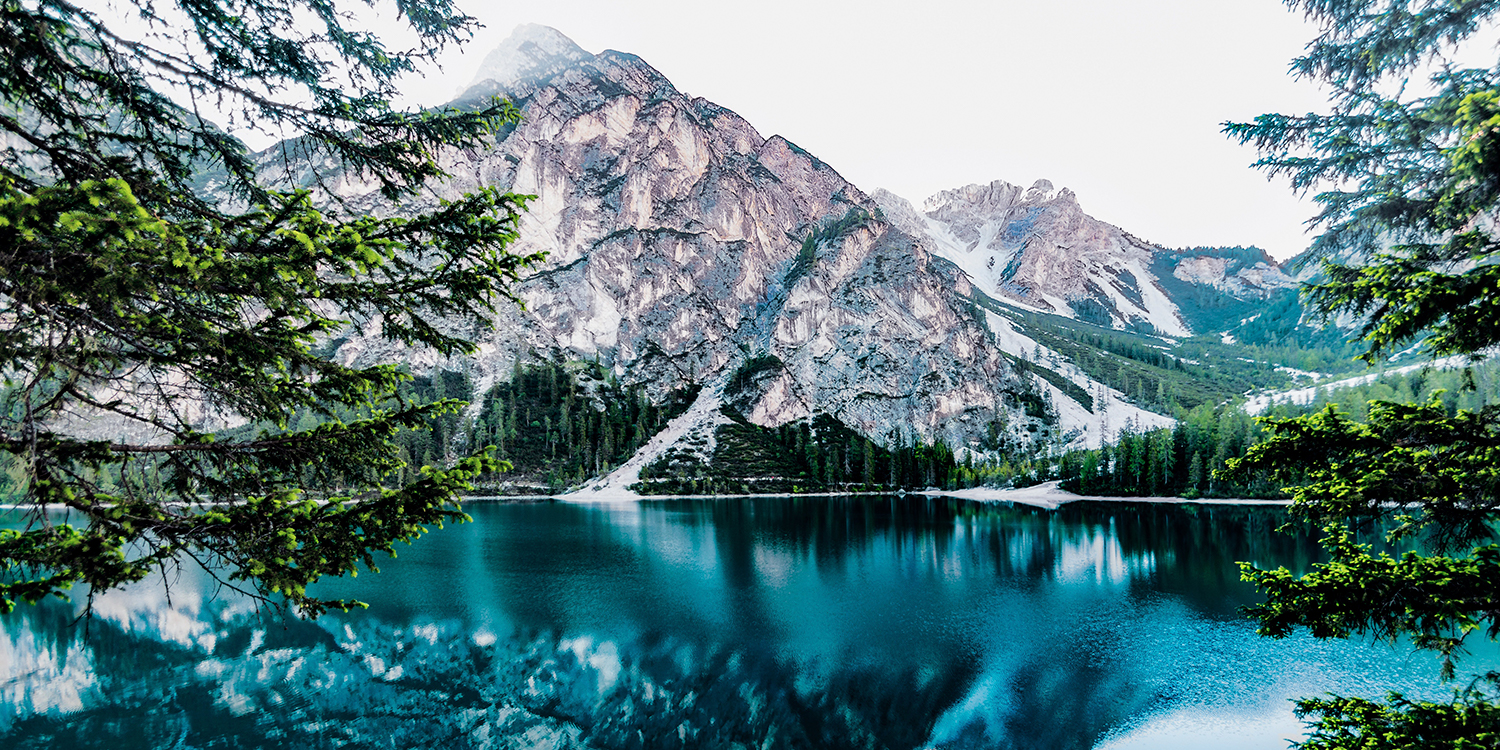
column 1269, row 343
column 814, row 455
column 823, row 455
column 1157, row 373
column 1182, row 461
column 1177, row 461
column 562, row 423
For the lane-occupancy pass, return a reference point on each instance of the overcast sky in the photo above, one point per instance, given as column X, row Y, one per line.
column 1119, row 101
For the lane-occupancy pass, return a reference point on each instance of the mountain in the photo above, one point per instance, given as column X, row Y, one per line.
column 531, row 54
column 690, row 254
column 683, row 243
column 1035, row 248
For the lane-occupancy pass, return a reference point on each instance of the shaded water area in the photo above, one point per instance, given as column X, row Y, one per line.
column 868, row 622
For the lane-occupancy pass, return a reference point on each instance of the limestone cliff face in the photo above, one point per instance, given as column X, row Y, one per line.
column 1035, row 247
column 873, row 335
column 1239, row 277
column 674, row 231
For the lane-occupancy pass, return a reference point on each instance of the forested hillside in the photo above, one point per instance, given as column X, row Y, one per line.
column 1182, row 461
column 559, row 424
column 1168, row 375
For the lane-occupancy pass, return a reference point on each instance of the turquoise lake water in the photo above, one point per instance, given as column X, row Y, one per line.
column 896, row 622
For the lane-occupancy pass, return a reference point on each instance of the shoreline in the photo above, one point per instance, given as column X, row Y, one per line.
column 1045, row 495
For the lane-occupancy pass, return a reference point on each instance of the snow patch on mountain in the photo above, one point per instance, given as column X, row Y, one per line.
column 700, row 421
column 1036, row 249
column 1258, row 403
column 1111, row 412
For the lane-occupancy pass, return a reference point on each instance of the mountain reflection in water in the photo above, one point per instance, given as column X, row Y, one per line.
column 893, row 622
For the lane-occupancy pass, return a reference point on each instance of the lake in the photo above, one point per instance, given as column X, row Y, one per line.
column 886, row 622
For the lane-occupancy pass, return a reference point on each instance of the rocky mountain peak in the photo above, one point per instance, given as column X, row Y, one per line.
column 1040, row 191
column 532, row 53
column 683, row 246
column 1036, row 248
column 997, row 195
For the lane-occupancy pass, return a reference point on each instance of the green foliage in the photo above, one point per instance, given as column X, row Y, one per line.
column 1278, row 334
column 750, row 370
column 1471, row 721
column 1180, row 461
column 445, row 437
column 1241, row 257
column 1469, row 388
column 559, row 424
column 1436, row 475
column 136, row 313
column 824, row 455
column 1069, row 388
column 1434, row 599
column 1190, row 459
column 1153, row 372
column 1408, row 193
column 84, row 95
column 1164, row 375
column 807, row 254
column 114, row 310
column 1090, row 310
column 1407, row 181
column 816, row 455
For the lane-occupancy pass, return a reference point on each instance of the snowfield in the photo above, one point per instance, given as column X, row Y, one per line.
column 1257, row 404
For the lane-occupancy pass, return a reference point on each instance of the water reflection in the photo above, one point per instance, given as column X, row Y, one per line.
column 794, row 622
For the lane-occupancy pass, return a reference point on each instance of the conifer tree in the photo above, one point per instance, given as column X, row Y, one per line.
column 130, row 297
column 1407, row 174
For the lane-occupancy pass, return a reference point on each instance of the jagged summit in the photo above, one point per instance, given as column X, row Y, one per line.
column 683, row 246
column 998, row 195
column 1042, row 190
column 1035, row 247
column 531, row 53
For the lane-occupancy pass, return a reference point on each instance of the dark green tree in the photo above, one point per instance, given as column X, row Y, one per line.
column 1406, row 169
column 155, row 290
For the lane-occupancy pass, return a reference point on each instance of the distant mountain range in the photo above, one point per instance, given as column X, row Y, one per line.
column 689, row 251
column 1035, row 248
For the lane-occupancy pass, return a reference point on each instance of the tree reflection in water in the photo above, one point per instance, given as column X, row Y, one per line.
column 776, row 622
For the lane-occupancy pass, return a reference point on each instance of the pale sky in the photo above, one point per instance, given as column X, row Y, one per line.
column 1119, row 101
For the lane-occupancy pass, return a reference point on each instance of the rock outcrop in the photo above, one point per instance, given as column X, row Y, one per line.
column 1240, row 277
column 1036, row 248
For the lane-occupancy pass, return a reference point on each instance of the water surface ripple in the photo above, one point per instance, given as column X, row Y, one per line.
column 885, row 622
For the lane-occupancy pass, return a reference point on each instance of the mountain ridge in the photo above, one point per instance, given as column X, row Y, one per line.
column 1036, row 248
column 673, row 227
column 683, row 245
